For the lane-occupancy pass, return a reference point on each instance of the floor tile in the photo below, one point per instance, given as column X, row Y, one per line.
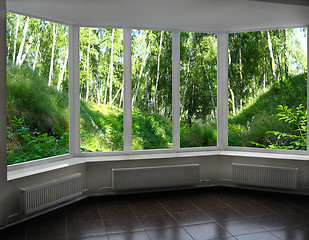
column 50, row 226
column 98, row 237
column 251, row 210
column 121, row 225
column 169, row 234
column 177, row 204
column 205, row 200
column 17, row 232
column 190, row 218
column 295, row 233
column 257, row 236
column 240, row 227
column 129, row 236
column 272, row 222
column 77, row 229
column 147, row 207
column 84, row 210
column 207, row 231
column 223, row 214
column 159, row 221
column 115, row 209
column 186, row 214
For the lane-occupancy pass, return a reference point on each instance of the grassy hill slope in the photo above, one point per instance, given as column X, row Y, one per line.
column 38, row 120
column 252, row 123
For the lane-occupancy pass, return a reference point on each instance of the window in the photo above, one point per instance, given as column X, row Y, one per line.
column 268, row 89
column 151, row 89
column 37, row 89
column 198, row 91
column 101, row 89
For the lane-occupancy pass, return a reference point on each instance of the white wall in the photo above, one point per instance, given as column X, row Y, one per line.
column 215, row 170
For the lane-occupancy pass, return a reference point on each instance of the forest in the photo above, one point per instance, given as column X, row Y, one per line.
column 267, row 89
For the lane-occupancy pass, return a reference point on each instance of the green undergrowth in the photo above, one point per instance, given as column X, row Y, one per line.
column 38, row 121
column 253, row 123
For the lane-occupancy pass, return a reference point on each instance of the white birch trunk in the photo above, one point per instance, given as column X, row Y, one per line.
column 111, row 68
column 271, row 52
column 15, row 39
column 22, row 43
column 140, row 73
column 24, row 55
column 52, row 55
column 158, row 74
column 37, row 48
column 187, row 77
column 87, row 65
column 63, row 69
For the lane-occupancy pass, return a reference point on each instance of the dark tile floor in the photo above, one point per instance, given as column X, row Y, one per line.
column 209, row 213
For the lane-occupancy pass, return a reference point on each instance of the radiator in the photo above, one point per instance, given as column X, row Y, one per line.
column 156, row 176
column 47, row 194
column 266, row 176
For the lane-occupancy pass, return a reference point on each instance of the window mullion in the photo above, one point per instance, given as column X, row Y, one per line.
column 127, row 87
column 74, row 89
column 222, row 75
column 176, row 90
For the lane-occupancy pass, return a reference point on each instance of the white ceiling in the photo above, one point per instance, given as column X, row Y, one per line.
column 190, row 15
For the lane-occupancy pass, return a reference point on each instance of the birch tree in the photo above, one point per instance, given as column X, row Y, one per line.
column 111, row 69
column 51, row 68
column 153, row 104
column 15, row 39
column 22, row 43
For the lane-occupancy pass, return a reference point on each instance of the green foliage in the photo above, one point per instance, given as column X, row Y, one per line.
column 256, row 119
column 296, row 138
column 198, row 135
column 150, row 131
column 29, row 96
column 33, row 144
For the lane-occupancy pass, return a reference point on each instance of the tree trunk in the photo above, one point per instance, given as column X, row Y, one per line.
column 279, row 66
column 232, row 100
column 272, row 58
column 24, row 55
column 158, row 74
column 15, row 39
column 121, row 96
column 22, row 43
column 63, row 69
column 187, row 77
column 111, row 68
column 52, row 55
column 286, row 62
column 140, row 74
column 87, row 65
column 37, row 49
column 208, row 80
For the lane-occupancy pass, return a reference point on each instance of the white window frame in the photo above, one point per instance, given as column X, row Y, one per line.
column 222, row 104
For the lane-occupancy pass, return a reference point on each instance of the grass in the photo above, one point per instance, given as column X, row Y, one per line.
column 252, row 122
column 45, row 113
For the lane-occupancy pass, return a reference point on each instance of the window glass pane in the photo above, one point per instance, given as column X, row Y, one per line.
column 37, row 89
column 101, row 89
column 268, row 89
column 151, row 89
column 198, row 89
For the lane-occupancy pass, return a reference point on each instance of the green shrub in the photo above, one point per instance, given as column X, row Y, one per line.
column 31, row 145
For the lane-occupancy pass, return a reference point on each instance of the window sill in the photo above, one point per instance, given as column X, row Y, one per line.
column 41, row 166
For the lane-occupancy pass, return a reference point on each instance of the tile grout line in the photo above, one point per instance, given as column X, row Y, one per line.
column 98, row 209
column 144, row 230
column 175, row 218
column 66, row 223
